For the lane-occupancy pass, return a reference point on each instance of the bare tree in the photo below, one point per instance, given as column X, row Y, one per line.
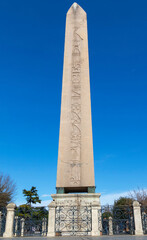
column 140, row 195
column 7, row 190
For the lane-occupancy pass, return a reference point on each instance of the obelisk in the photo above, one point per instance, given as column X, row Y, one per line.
column 75, row 207
column 75, row 172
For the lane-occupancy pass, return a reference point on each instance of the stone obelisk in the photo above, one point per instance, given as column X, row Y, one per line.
column 75, row 172
column 75, row 213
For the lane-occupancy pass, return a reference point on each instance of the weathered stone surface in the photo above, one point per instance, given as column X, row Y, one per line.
column 137, row 218
column 51, row 220
column 9, row 220
column 74, row 214
column 92, row 199
column 75, row 170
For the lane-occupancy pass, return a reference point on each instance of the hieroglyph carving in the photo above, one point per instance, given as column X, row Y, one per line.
column 75, row 162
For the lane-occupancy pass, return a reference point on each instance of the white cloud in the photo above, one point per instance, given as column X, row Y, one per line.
column 104, row 199
column 43, row 203
column 45, row 195
column 109, row 198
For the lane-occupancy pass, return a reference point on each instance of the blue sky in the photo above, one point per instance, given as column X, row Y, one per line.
column 31, row 63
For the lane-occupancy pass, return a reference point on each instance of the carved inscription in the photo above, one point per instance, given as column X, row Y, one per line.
column 75, row 162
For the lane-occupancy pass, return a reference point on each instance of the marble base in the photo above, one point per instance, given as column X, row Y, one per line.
column 74, row 214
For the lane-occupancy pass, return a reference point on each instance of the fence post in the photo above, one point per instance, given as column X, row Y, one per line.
column 51, row 220
column 42, row 227
column 144, row 222
column 131, row 226
column 0, row 223
column 137, row 218
column 110, row 226
column 95, row 220
column 16, row 226
column 100, row 221
column 45, row 226
column 22, row 226
column 9, row 220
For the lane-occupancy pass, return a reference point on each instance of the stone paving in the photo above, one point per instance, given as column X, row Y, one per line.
column 115, row 237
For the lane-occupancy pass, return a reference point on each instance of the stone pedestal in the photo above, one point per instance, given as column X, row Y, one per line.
column 74, row 214
column 16, row 226
column 51, row 219
column 22, row 226
column 137, row 218
column 110, row 226
column 9, row 220
column 44, row 225
column 95, row 225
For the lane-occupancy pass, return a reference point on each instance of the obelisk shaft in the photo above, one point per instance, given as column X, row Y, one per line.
column 75, row 172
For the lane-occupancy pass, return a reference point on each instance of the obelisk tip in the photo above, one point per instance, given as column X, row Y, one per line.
column 75, row 6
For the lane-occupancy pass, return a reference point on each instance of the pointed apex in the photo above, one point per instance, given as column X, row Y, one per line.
column 75, row 5
column 75, row 8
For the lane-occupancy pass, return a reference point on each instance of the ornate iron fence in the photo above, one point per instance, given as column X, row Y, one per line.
column 144, row 218
column 30, row 221
column 3, row 213
column 116, row 220
column 73, row 219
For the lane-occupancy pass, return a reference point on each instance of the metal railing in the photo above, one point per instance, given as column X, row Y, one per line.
column 144, row 218
column 3, row 213
column 73, row 219
column 30, row 221
column 116, row 220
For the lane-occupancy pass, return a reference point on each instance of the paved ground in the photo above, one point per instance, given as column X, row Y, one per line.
column 125, row 237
